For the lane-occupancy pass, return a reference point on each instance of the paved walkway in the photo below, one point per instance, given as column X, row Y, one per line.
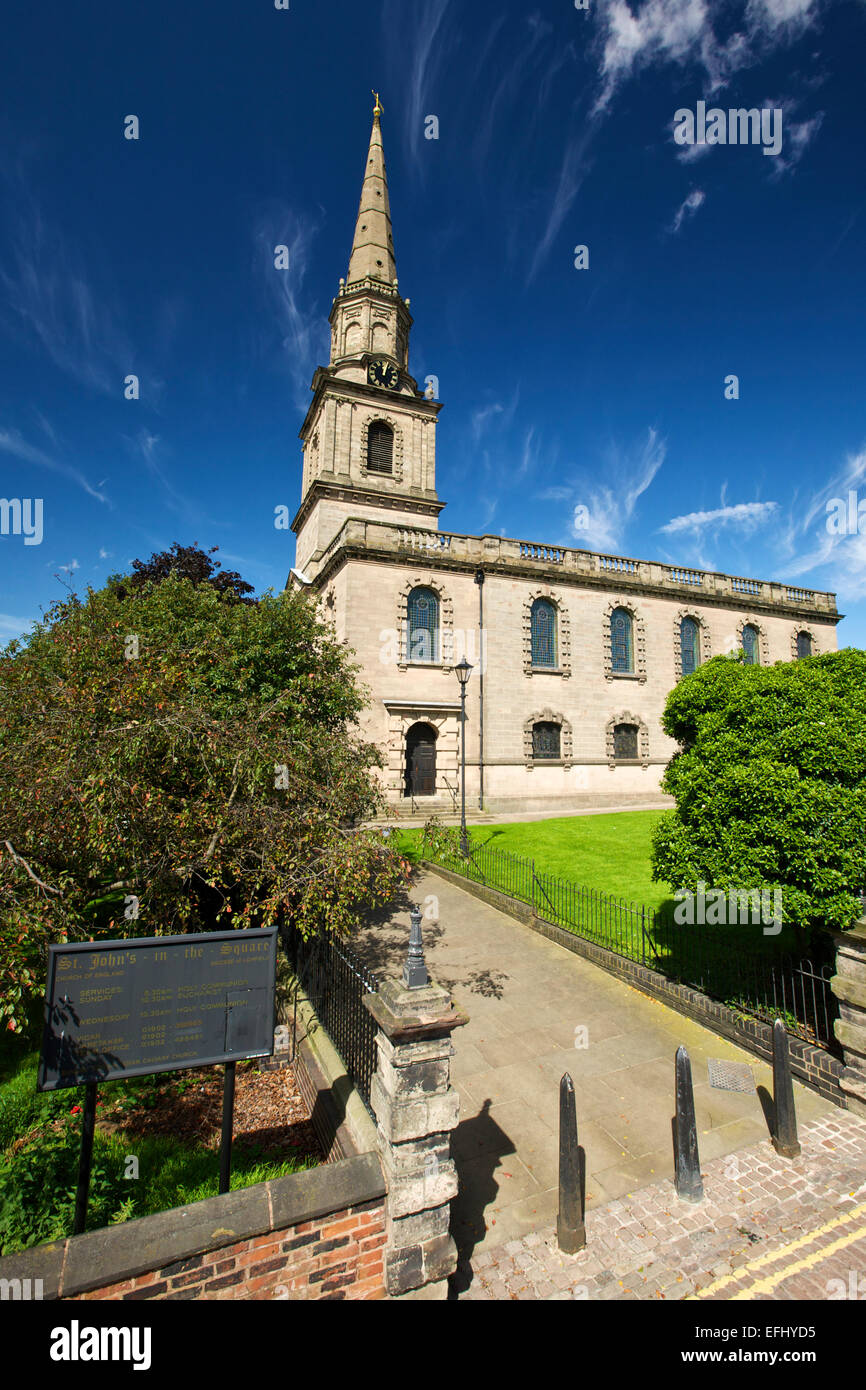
column 767, row 1229
column 536, row 1011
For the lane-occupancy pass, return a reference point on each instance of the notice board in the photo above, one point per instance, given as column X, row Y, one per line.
column 158, row 1003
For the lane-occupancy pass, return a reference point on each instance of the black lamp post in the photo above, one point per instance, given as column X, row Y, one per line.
column 464, row 671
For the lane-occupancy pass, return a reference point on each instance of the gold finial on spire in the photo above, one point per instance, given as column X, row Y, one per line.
column 378, row 108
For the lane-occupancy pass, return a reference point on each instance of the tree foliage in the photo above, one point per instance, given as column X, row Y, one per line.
column 186, row 562
column 190, row 760
column 770, row 784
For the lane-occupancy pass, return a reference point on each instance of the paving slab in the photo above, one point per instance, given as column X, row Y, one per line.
column 536, row 1011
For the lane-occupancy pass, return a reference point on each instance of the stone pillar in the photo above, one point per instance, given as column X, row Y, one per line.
column 849, row 986
column 416, row 1109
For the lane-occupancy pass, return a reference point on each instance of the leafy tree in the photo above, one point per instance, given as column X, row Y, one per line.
column 770, row 784
column 173, row 762
column 186, row 562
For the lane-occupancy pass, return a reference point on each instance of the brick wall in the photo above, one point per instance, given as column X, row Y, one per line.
column 339, row 1256
column 318, row 1234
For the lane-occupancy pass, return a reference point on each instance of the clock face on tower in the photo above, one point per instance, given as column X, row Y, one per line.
column 383, row 373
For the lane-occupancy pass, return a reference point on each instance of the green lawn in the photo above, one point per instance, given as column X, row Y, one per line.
column 610, row 853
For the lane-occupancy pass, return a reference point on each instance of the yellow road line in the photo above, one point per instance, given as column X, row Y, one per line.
column 817, row 1257
column 772, row 1255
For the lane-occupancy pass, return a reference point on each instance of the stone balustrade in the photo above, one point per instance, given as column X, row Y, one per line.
column 548, row 560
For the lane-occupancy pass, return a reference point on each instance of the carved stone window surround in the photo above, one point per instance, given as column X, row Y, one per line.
column 705, row 643
column 563, row 635
column 548, row 716
column 642, row 736
column 638, row 639
column 446, row 625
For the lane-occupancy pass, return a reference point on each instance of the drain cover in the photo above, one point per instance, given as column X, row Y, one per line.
column 731, row 1076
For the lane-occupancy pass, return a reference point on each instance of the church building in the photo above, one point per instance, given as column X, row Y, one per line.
column 573, row 653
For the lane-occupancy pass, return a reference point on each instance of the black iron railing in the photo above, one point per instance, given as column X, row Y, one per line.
column 335, row 980
column 720, row 961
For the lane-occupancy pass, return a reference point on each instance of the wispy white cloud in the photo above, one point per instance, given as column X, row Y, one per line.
column 745, row 517
column 148, row 447
column 687, row 209
column 297, row 316
column 681, row 31
column 496, row 415
column 573, row 170
column 11, row 627
column 48, row 294
column 11, row 442
column 602, row 511
column 809, row 546
column 418, row 42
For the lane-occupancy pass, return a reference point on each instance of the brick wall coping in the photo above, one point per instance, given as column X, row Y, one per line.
column 812, row 1065
column 115, row 1253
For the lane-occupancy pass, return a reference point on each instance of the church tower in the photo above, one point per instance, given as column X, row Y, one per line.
column 369, row 438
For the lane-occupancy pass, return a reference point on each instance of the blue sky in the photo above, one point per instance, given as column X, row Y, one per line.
column 562, row 387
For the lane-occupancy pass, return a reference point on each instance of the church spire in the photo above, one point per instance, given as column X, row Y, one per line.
column 373, row 248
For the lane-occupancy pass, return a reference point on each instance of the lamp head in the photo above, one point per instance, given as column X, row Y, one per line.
column 463, row 670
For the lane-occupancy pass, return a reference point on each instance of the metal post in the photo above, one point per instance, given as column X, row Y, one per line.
column 785, row 1140
column 228, row 1126
column 464, row 847
column 570, row 1228
column 482, row 656
column 88, row 1125
column 415, row 969
column 689, row 1183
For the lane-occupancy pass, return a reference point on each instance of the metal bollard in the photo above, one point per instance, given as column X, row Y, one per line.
column 689, row 1183
column 785, row 1140
column 570, row 1228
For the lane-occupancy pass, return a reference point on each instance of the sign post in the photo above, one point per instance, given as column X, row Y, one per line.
column 162, row 1003
column 228, row 1126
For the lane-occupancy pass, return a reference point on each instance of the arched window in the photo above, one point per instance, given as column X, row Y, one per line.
column 750, row 644
column 804, row 644
column 546, row 740
column 625, row 741
column 380, row 448
column 422, row 622
column 621, row 641
column 543, row 621
column 689, row 645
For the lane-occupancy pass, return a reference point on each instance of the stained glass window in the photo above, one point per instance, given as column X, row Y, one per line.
column 543, row 620
column 621, row 641
column 380, row 448
column 545, row 740
column 625, row 741
column 750, row 644
column 689, row 649
column 422, row 637
column 804, row 644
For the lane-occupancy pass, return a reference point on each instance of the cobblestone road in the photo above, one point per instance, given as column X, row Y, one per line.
column 768, row 1228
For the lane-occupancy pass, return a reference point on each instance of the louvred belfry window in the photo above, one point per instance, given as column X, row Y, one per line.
column 543, row 619
column 625, row 741
column 380, row 448
column 545, row 740
column 422, row 623
column 621, row 642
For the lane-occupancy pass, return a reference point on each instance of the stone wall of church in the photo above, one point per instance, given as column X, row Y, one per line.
column 583, row 695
